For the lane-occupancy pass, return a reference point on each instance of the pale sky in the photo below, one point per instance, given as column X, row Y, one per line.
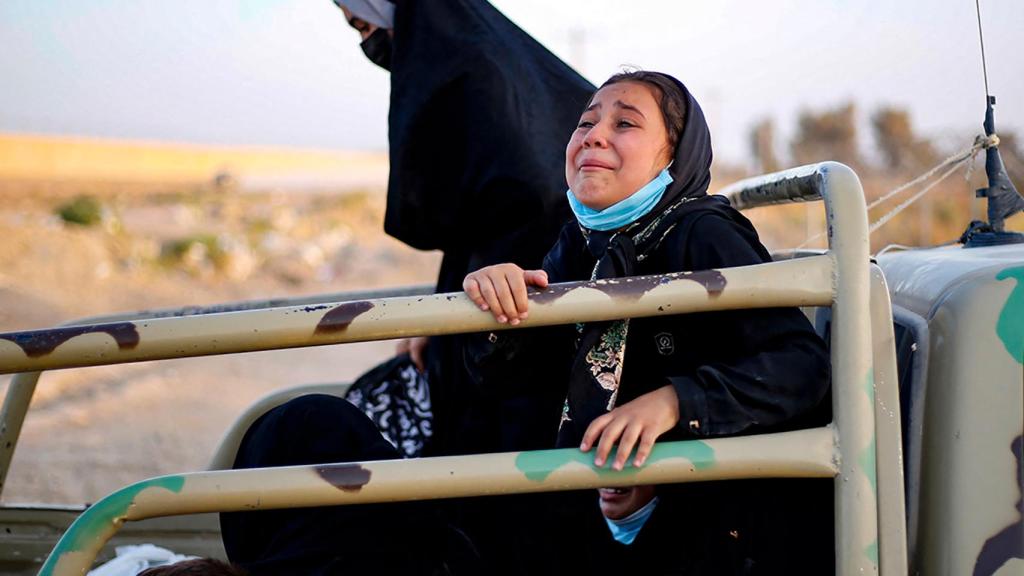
column 290, row 72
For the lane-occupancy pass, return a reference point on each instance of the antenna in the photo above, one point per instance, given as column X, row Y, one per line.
column 1003, row 199
column 981, row 38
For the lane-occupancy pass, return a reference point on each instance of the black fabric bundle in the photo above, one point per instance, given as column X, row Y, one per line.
column 480, row 117
column 479, row 120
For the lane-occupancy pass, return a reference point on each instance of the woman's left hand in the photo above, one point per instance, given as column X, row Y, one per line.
column 644, row 419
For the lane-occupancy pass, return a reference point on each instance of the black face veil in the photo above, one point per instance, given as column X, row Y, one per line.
column 480, row 117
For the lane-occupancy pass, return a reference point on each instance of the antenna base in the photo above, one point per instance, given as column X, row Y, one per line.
column 980, row 234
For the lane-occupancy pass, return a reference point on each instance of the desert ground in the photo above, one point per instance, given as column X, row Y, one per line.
column 93, row 430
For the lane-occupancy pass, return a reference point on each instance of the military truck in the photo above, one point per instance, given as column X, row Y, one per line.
column 927, row 352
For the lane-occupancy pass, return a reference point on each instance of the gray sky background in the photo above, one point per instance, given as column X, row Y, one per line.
column 290, row 72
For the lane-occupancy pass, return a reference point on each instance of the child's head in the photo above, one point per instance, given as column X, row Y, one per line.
column 195, row 567
column 625, row 137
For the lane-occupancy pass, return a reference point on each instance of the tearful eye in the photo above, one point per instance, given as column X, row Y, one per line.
column 585, row 124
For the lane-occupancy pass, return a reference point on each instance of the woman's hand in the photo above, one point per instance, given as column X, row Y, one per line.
column 415, row 347
column 502, row 290
column 643, row 419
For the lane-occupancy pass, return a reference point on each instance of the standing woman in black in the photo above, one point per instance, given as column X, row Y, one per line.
column 480, row 115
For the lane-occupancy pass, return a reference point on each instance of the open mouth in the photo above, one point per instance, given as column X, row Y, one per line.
column 614, row 491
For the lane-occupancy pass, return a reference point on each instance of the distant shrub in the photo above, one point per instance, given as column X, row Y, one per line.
column 192, row 251
column 82, row 211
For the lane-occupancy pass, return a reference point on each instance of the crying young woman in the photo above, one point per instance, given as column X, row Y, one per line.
column 638, row 169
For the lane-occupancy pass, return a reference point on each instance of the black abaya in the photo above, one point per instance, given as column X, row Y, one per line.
column 480, row 116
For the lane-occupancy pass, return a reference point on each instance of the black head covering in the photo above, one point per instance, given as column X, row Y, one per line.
column 597, row 367
column 691, row 176
column 480, row 117
column 691, row 162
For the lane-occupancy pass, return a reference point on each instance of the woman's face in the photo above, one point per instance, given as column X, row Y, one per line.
column 620, row 144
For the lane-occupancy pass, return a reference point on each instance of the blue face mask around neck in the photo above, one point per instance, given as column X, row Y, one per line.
column 626, row 529
column 625, row 211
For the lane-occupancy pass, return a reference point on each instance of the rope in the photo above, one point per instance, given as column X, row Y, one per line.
column 903, row 205
column 953, row 163
column 968, row 153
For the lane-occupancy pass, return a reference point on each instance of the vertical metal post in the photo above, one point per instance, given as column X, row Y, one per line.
column 892, row 516
column 12, row 416
column 853, row 387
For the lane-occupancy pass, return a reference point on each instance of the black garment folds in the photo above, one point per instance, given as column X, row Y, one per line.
column 480, row 117
column 479, row 120
column 734, row 372
column 737, row 371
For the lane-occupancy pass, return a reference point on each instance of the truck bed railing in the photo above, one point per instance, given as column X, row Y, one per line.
column 846, row 450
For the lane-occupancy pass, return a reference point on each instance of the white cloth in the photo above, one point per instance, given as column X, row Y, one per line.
column 131, row 560
column 380, row 13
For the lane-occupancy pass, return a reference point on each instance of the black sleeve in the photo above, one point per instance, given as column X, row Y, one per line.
column 764, row 368
column 568, row 260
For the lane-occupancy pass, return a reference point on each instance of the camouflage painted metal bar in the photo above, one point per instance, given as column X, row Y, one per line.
column 12, row 416
column 22, row 386
column 853, row 397
column 239, row 306
column 804, row 454
column 805, row 282
column 892, row 515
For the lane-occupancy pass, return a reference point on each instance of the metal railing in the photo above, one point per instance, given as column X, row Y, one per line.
column 846, row 450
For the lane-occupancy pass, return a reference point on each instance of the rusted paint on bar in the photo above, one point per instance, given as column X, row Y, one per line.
column 712, row 280
column 803, row 184
column 345, row 476
column 339, row 318
column 632, row 288
column 36, row 343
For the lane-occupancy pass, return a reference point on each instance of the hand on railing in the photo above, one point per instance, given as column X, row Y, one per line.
column 501, row 288
column 645, row 419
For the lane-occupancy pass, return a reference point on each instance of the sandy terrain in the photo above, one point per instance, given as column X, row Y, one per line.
column 93, row 430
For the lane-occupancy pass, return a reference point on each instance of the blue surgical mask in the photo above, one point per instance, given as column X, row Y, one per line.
column 625, row 211
column 626, row 529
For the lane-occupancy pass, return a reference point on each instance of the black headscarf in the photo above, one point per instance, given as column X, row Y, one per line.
column 480, row 117
column 597, row 367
